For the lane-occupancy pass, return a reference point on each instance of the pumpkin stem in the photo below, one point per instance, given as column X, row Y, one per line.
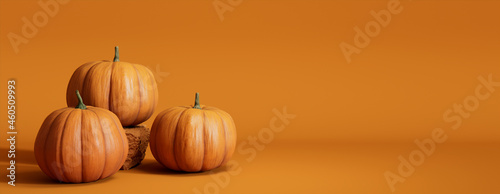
column 117, row 55
column 197, row 101
column 80, row 101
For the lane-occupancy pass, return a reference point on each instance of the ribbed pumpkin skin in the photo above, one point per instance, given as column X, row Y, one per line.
column 75, row 145
column 192, row 140
column 126, row 89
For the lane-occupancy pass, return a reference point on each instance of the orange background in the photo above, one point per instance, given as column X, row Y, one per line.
column 353, row 119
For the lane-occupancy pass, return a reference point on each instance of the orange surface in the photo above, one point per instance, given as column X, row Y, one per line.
column 408, row 80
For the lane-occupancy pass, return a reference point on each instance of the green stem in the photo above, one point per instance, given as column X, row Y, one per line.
column 80, row 101
column 117, row 55
column 197, row 101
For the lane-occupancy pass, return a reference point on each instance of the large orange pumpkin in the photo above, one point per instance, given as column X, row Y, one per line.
column 81, row 144
column 193, row 139
column 126, row 89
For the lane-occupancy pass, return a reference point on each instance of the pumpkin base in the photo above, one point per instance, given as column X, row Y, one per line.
column 138, row 141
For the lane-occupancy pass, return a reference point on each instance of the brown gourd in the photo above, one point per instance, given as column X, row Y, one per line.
column 193, row 138
column 80, row 144
column 126, row 89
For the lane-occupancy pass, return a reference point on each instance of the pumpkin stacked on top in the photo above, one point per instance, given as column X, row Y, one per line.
column 129, row 90
column 87, row 143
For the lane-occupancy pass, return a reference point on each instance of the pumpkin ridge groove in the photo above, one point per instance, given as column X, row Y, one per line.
column 83, row 83
column 79, row 87
column 110, row 88
column 225, row 137
column 121, row 135
column 140, row 98
column 61, row 146
column 153, row 80
column 155, row 136
column 81, row 145
column 204, row 141
column 104, row 142
column 175, row 137
column 45, row 145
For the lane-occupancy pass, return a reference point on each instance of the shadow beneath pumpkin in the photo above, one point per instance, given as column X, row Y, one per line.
column 35, row 177
column 29, row 174
column 150, row 166
column 22, row 156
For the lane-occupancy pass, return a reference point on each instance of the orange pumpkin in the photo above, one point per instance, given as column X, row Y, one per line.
column 81, row 144
column 193, row 139
column 126, row 89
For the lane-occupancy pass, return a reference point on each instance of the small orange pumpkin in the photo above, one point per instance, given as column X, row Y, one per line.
column 193, row 139
column 126, row 89
column 81, row 144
